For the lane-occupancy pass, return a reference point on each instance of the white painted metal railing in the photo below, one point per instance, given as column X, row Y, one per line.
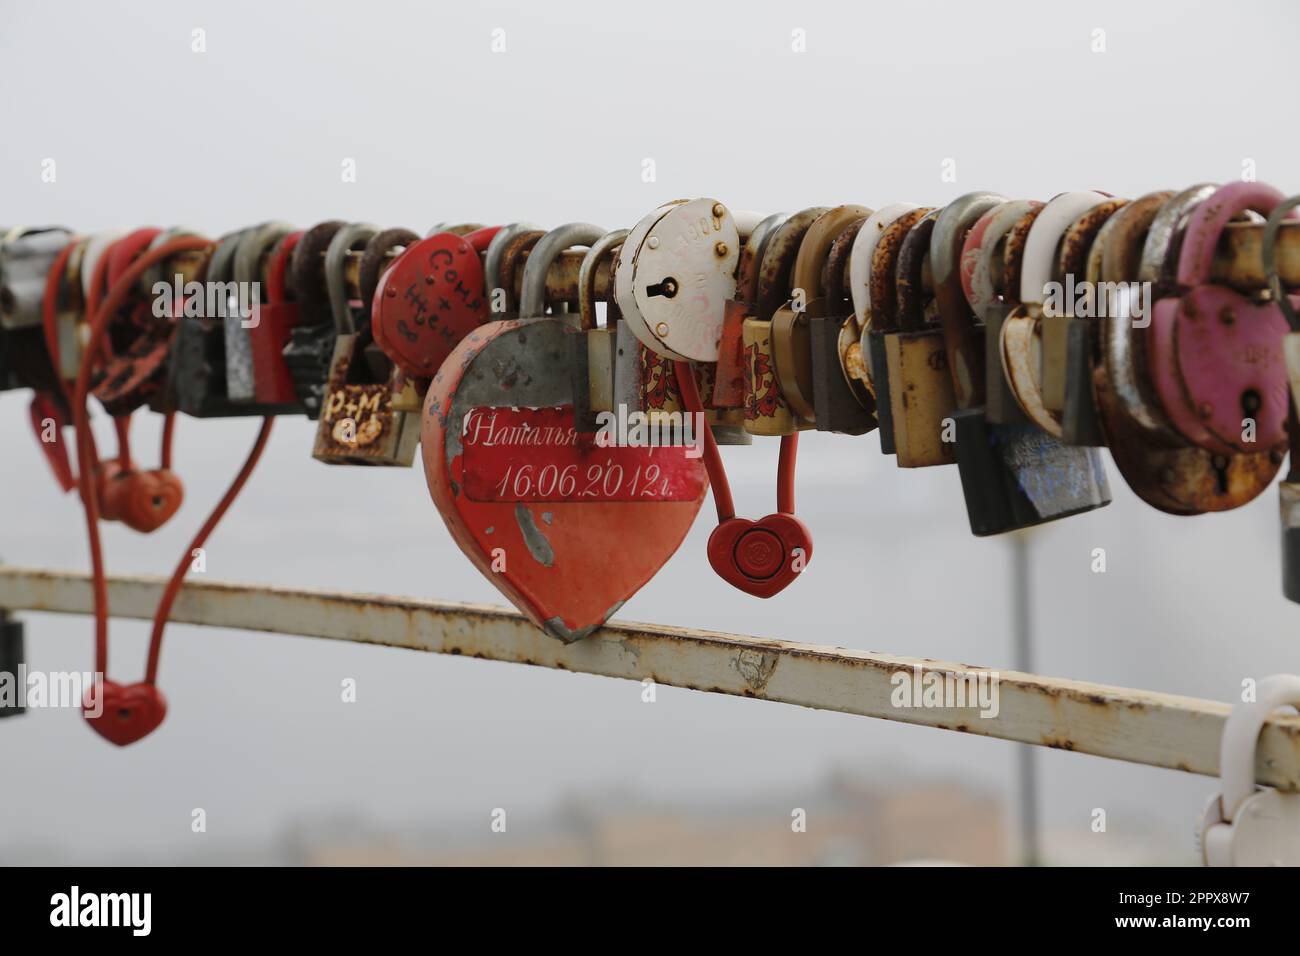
column 1161, row 730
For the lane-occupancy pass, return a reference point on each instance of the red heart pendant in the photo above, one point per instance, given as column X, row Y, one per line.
column 760, row 557
column 567, row 528
column 123, row 714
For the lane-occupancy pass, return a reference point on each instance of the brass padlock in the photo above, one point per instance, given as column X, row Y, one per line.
column 920, row 387
column 872, row 276
column 792, row 323
column 766, row 409
column 358, row 424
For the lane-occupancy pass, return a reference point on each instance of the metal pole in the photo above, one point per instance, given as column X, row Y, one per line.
column 1022, row 629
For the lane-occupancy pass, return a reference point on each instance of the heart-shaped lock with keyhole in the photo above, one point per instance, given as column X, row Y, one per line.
column 124, row 713
column 1215, row 357
column 565, row 527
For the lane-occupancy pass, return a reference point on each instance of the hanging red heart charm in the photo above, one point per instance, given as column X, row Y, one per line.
column 123, row 714
column 760, row 557
column 567, row 528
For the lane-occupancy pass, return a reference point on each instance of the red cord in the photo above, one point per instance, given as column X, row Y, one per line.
column 712, row 458
column 178, row 576
column 169, row 432
column 116, row 297
column 785, row 473
column 122, row 425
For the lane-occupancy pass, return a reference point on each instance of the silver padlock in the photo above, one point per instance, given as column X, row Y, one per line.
column 253, row 245
column 26, row 255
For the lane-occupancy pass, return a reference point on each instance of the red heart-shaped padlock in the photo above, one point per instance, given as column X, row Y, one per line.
column 430, row 299
column 123, row 714
column 566, row 528
column 760, row 557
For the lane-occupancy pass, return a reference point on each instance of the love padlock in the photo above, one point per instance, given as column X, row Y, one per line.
column 430, row 299
column 1215, row 356
column 544, row 511
column 677, row 270
column 1160, row 465
column 277, row 315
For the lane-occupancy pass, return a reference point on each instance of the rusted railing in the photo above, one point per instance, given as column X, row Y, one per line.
column 1161, row 730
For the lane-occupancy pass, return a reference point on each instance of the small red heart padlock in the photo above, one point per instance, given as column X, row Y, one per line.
column 123, row 714
column 759, row 557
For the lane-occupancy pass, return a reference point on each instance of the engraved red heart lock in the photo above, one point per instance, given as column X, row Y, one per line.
column 1215, row 356
column 430, row 299
column 123, row 713
column 565, row 526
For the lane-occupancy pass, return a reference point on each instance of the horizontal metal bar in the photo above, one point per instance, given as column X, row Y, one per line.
column 1161, row 730
column 1238, row 262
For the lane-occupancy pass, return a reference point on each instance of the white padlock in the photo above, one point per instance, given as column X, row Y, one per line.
column 1247, row 825
column 676, row 272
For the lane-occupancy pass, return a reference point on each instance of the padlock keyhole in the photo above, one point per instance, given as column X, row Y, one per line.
column 667, row 288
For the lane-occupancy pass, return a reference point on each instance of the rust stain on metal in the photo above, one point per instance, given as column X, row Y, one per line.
column 884, row 300
column 756, row 668
column 1013, row 253
column 1077, row 242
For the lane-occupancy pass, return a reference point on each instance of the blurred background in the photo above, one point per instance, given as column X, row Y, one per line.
column 144, row 130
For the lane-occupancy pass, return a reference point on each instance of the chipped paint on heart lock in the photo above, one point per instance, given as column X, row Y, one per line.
column 559, row 507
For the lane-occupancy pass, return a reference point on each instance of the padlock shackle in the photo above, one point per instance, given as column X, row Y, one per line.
column 603, row 248
column 253, row 246
column 1038, row 263
column 1156, row 264
column 884, row 262
column 1268, row 253
column 532, row 295
column 835, row 270
column 751, row 254
column 777, row 262
column 1207, row 220
column 909, row 273
column 1241, row 737
column 341, row 244
column 960, row 340
column 374, row 264
column 277, row 288
column 862, row 253
column 816, row 246
column 496, row 250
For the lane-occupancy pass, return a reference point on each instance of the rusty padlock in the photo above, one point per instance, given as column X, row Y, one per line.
column 1214, row 356
column 792, row 322
column 1157, row 462
column 358, row 425
column 880, row 306
column 920, row 385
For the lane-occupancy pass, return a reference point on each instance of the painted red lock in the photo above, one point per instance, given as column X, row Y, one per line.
column 565, row 525
column 271, row 324
column 430, row 299
column 1215, row 356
